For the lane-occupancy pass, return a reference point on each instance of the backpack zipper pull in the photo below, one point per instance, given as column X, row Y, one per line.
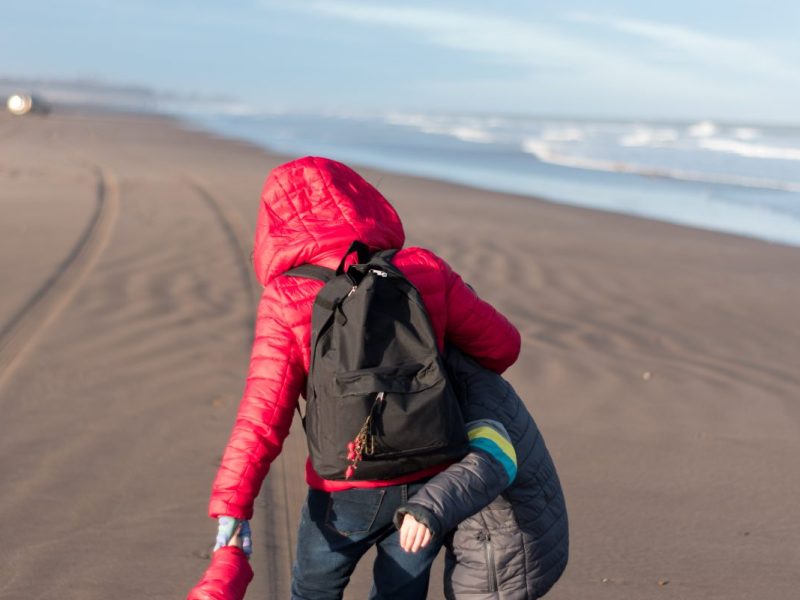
column 369, row 440
column 355, row 449
column 363, row 443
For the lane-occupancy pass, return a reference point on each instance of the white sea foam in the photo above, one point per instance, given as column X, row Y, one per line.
column 655, row 150
column 649, row 136
column 539, row 149
column 467, row 129
column 746, row 133
column 470, row 134
column 750, row 150
column 418, row 120
column 565, row 134
column 547, row 154
column 702, row 129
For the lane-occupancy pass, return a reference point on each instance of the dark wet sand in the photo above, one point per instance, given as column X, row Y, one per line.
column 661, row 363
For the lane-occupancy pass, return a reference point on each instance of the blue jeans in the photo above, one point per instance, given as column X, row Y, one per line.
column 337, row 528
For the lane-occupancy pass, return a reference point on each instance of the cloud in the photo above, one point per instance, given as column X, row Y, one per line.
column 702, row 73
column 524, row 42
column 508, row 40
column 720, row 52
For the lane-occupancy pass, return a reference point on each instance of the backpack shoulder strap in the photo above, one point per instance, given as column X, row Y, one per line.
column 323, row 274
column 317, row 272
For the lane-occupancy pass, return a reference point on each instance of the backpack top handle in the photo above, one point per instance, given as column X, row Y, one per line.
column 363, row 255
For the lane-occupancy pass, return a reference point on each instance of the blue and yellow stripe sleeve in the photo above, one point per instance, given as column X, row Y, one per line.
column 491, row 437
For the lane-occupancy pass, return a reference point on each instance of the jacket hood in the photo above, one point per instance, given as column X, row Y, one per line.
column 311, row 210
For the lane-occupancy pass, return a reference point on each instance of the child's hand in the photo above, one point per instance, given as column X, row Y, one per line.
column 235, row 539
column 413, row 534
column 234, row 532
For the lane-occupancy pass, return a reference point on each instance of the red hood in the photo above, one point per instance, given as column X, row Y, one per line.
column 312, row 209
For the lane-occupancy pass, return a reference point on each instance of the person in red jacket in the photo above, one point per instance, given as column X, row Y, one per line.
column 311, row 210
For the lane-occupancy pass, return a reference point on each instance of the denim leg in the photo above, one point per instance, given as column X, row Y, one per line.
column 402, row 575
column 398, row 574
column 336, row 530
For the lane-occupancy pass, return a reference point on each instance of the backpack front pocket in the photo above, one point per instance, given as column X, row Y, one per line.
column 400, row 379
column 405, row 409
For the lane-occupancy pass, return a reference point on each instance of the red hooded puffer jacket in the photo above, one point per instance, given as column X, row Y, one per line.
column 311, row 211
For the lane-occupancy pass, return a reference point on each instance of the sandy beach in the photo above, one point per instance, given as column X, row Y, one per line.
column 660, row 362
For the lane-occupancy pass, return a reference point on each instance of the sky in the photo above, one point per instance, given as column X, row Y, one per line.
column 730, row 60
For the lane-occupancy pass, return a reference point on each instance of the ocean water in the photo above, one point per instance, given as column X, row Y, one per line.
column 736, row 178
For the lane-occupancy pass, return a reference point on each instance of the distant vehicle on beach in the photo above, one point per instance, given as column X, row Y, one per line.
column 23, row 104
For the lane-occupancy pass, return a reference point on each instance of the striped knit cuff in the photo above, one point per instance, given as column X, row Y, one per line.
column 491, row 437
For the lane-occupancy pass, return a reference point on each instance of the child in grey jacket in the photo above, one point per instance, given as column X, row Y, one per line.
column 501, row 508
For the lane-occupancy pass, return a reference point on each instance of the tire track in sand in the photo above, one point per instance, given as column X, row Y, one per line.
column 20, row 334
column 232, row 227
column 234, row 231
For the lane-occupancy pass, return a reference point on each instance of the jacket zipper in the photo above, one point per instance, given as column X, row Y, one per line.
column 486, row 538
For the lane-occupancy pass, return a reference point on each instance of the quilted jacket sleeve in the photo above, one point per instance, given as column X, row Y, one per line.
column 467, row 486
column 477, row 328
column 274, row 383
column 226, row 578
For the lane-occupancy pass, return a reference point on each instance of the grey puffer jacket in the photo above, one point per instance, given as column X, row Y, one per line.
column 506, row 546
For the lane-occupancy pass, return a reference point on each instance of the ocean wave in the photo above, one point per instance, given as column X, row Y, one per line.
column 746, row 133
column 465, row 129
column 470, row 134
column 545, row 153
column 649, row 136
column 750, row 150
column 418, row 120
column 565, row 134
column 702, row 129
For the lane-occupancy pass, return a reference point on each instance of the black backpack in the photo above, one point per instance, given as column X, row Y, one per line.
column 378, row 403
